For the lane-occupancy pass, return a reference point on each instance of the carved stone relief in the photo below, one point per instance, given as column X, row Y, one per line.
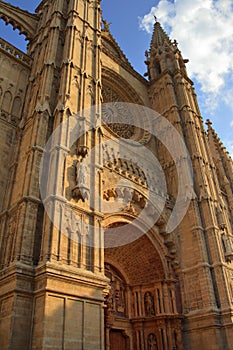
column 116, row 298
column 117, row 118
column 123, row 119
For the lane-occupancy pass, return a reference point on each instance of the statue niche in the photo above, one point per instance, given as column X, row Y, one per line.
column 151, row 342
column 149, row 304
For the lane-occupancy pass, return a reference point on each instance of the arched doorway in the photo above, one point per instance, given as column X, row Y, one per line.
column 142, row 311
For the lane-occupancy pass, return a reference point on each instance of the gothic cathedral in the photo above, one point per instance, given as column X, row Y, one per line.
column 60, row 287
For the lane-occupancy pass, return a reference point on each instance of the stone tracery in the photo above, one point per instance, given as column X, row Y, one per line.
column 117, row 118
column 120, row 117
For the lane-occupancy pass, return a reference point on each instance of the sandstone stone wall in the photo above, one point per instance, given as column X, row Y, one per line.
column 14, row 73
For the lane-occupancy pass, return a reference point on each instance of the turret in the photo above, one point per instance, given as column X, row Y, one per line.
column 206, row 223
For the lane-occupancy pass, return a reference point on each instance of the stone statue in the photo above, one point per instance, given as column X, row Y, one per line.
column 151, row 342
column 149, row 304
column 106, row 25
column 81, row 173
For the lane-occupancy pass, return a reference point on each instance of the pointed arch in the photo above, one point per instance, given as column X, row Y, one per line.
column 6, row 65
column 6, row 103
column 138, row 231
column 141, row 270
column 16, row 109
column 23, row 77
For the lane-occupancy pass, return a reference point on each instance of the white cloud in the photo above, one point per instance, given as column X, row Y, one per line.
column 204, row 30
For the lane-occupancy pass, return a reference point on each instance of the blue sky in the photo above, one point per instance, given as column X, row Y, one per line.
column 204, row 31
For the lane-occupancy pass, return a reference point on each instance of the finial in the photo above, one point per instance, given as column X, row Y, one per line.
column 156, row 19
column 106, row 25
column 208, row 123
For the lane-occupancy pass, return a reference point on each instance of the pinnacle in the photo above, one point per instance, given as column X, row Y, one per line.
column 159, row 37
column 212, row 133
column 215, row 141
column 106, row 25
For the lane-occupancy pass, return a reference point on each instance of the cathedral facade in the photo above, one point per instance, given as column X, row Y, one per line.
column 73, row 274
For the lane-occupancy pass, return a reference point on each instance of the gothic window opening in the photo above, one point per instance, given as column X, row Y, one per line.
column 6, row 103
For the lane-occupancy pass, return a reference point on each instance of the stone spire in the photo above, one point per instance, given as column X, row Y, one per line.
column 163, row 55
column 159, row 37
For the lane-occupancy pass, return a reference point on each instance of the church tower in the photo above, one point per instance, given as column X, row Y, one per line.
column 203, row 240
column 60, row 286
